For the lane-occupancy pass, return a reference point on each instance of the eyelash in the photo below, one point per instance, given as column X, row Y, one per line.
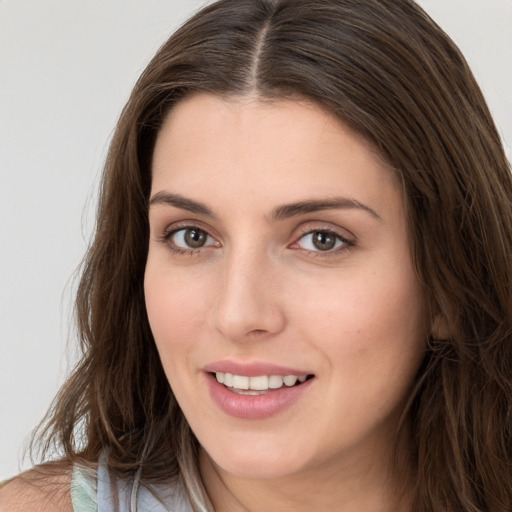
column 345, row 241
column 166, row 239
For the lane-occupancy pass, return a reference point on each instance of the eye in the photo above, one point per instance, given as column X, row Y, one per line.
column 322, row 241
column 188, row 239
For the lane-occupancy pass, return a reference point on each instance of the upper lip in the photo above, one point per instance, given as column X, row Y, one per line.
column 252, row 369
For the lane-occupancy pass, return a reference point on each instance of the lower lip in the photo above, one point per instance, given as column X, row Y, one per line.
column 254, row 407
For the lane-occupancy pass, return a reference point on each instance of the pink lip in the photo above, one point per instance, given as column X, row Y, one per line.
column 253, row 407
column 253, row 369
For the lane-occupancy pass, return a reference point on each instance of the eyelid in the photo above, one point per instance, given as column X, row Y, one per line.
column 174, row 226
column 309, row 228
column 306, row 228
column 173, row 232
column 171, row 229
column 312, row 226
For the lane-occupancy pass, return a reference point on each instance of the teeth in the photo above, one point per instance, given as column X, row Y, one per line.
column 290, row 380
column 228, row 380
column 240, row 382
column 275, row 382
column 259, row 383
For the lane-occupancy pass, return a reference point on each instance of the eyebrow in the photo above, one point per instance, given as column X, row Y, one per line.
column 181, row 202
column 279, row 213
column 314, row 205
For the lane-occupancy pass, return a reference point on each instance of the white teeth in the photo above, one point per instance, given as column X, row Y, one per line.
column 228, row 380
column 275, row 382
column 240, row 382
column 259, row 383
column 290, row 380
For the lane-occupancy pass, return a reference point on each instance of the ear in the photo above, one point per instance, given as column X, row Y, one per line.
column 440, row 329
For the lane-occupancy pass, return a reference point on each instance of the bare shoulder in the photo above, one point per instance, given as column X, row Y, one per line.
column 40, row 489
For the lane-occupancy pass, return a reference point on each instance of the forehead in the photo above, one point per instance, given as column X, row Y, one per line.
column 207, row 113
column 243, row 146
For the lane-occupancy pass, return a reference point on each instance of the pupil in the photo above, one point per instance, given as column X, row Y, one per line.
column 195, row 238
column 323, row 241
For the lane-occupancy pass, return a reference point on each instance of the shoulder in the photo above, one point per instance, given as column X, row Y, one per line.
column 44, row 489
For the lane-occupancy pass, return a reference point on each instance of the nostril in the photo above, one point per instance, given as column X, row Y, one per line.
column 257, row 332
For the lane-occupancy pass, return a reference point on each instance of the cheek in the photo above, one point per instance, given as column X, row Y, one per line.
column 175, row 307
column 364, row 305
column 371, row 324
column 372, row 335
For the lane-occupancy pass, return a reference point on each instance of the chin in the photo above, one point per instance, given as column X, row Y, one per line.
column 259, row 469
column 258, row 462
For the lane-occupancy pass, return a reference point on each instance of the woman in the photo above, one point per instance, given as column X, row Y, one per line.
column 298, row 296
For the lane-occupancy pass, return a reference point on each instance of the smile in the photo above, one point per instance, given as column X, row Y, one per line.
column 244, row 384
column 258, row 395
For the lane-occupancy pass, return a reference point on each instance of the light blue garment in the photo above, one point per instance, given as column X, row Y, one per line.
column 94, row 493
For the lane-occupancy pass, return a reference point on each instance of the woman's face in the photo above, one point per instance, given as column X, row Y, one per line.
column 279, row 265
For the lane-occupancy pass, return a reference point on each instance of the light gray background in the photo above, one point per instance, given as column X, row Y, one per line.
column 66, row 69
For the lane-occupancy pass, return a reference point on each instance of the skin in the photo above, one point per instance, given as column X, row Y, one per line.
column 38, row 490
column 259, row 290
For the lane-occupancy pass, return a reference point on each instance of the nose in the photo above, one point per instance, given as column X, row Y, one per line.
column 247, row 305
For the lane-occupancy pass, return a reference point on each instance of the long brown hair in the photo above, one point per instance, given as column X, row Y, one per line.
column 390, row 73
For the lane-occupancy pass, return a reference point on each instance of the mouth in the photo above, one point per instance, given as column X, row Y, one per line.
column 260, row 384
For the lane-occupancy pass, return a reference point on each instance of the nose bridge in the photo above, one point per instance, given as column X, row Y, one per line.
column 247, row 299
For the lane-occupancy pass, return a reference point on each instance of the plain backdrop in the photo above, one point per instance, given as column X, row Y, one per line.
column 66, row 70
